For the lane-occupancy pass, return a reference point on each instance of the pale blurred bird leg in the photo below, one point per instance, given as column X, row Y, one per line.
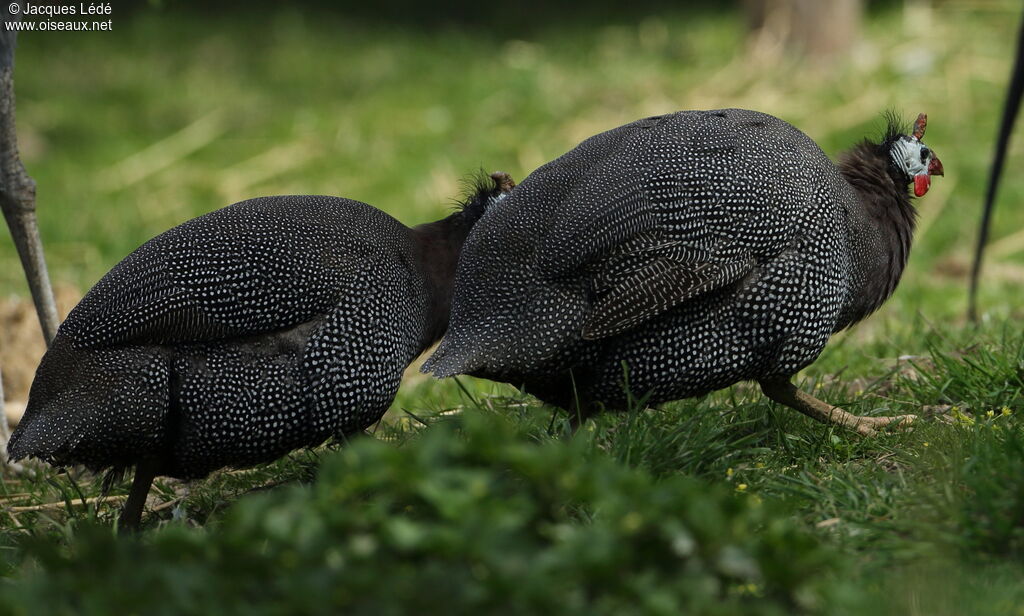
column 784, row 392
column 5, row 435
column 131, row 515
column 5, row 430
column 22, row 223
column 18, row 198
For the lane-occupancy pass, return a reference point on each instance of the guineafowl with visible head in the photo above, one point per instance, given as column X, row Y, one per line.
column 681, row 254
column 241, row 335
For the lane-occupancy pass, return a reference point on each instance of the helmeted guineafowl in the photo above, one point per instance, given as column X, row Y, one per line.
column 236, row 337
column 686, row 252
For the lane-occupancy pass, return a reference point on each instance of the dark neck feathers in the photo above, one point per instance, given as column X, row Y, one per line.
column 881, row 231
column 437, row 246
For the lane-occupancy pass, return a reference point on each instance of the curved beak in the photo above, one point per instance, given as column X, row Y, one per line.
column 935, row 167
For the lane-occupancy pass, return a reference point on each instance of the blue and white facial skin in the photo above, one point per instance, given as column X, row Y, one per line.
column 915, row 158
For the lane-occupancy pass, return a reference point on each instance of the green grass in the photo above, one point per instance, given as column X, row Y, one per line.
column 927, row 521
column 173, row 115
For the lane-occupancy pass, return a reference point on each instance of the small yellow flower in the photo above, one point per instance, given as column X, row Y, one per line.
column 990, row 414
column 759, row 465
column 728, row 473
column 1006, row 411
column 742, row 487
column 927, row 444
column 963, row 418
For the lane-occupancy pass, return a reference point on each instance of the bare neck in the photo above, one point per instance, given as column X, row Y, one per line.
column 881, row 230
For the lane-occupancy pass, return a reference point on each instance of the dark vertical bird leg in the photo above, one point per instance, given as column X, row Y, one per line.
column 576, row 419
column 131, row 515
column 580, row 411
column 579, row 408
column 1011, row 108
column 781, row 390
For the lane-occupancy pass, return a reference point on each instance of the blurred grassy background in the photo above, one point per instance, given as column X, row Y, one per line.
column 181, row 110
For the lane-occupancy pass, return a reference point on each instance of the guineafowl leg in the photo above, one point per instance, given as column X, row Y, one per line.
column 131, row 515
column 18, row 200
column 580, row 410
column 576, row 418
column 784, row 392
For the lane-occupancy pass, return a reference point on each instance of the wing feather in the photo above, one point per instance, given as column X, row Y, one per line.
column 649, row 276
column 257, row 266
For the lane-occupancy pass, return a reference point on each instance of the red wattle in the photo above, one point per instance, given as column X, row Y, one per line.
column 921, row 184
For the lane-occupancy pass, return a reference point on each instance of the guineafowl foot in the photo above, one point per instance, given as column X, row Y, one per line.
column 784, row 392
column 131, row 514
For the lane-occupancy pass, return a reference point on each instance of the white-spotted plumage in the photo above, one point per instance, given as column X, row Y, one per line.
column 691, row 251
column 266, row 326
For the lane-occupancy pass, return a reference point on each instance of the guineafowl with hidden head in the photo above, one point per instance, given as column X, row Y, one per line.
column 236, row 337
column 682, row 254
